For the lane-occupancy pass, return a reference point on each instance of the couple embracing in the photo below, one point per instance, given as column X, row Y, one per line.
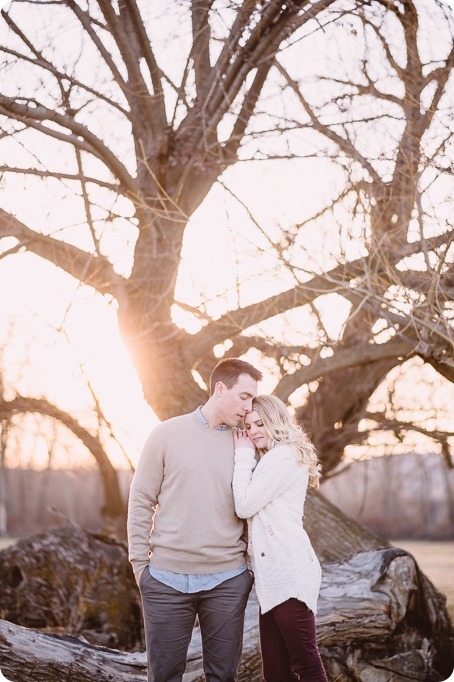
column 198, row 478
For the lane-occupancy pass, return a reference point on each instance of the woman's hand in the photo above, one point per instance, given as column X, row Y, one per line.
column 242, row 440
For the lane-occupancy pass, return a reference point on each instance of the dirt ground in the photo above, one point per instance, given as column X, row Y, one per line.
column 436, row 560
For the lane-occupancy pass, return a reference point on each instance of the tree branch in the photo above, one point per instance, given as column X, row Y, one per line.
column 60, row 176
column 41, row 62
column 22, row 404
column 343, row 143
column 200, row 51
column 389, row 55
column 95, row 271
column 123, row 32
column 233, row 143
column 389, row 424
column 343, row 358
column 275, row 24
column 85, row 21
column 155, row 71
column 335, row 280
column 39, row 112
column 441, row 75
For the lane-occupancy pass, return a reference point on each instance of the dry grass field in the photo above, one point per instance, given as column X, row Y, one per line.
column 6, row 542
column 436, row 560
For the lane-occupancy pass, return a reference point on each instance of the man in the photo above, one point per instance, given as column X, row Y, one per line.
column 193, row 563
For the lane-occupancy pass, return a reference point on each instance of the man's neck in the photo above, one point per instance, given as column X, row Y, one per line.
column 209, row 414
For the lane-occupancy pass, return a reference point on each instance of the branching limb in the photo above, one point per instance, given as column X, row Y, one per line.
column 86, row 22
column 38, row 112
column 60, row 176
column 43, row 63
column 335, row 280
column 200, row 52
column 95, row 271
column 342, row 359
column 343, row 143
column 21, row 405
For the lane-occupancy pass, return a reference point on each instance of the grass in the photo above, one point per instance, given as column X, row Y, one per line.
column 7, row 542
column 436, row 560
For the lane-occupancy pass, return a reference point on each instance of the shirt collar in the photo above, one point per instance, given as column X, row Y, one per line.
column 202, row 420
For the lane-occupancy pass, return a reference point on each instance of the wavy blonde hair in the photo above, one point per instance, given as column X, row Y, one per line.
column 281, row 428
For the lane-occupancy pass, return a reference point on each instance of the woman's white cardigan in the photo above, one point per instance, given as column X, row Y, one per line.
column 271, row 496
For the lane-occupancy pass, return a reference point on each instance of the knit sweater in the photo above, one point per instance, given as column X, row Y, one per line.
column 182, row 493
column 271, row 496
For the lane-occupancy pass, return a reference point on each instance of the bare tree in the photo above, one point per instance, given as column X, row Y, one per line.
column 16, row 407
column 113, row 510
column 141, row 136
column 177, row 147
column 171, row 163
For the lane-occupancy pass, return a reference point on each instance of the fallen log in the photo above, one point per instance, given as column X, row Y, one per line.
column 73, row 580
column 372, row 627
column 379, row 619
column 27, row 654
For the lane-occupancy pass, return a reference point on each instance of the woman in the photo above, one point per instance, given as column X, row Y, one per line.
column 287, row 573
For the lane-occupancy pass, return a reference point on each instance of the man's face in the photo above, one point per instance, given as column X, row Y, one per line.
column 234, row 403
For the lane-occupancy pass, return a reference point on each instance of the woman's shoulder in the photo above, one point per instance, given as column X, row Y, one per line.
column 283, row 452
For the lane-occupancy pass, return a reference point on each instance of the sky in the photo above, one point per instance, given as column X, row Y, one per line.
column 65, row 333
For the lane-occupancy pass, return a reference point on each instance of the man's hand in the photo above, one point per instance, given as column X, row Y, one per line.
column 242, row 440
column 138, row 575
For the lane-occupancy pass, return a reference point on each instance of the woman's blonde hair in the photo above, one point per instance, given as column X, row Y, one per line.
column 281, row 428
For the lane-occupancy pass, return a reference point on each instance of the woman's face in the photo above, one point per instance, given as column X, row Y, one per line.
column 256, row 430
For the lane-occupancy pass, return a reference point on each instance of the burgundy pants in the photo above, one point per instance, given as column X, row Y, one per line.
column 288, row 644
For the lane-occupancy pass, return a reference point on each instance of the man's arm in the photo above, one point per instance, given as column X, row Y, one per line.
column 143, row 500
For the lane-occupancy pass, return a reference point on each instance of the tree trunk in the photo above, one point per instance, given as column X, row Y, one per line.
column 379, row 618
column 162, row 365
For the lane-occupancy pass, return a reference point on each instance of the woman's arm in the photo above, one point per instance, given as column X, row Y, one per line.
column 275, row 475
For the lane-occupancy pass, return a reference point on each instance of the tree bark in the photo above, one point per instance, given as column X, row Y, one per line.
column 73, row 579
column 44, row 657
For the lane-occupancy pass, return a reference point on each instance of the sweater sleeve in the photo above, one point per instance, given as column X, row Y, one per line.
column 143, row 499
column 272, row 478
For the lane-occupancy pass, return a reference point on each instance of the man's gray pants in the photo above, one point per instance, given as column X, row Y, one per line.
column 169, row 618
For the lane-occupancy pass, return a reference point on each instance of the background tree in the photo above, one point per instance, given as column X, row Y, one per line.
column 37, row 433
column 48, row 419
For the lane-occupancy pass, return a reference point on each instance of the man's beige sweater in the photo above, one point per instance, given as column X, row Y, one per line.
column 182, row 493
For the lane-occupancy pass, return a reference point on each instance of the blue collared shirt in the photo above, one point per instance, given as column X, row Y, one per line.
column 202, row 420
column 194, row 582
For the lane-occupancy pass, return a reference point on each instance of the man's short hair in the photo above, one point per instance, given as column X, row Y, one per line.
column 229, row 370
